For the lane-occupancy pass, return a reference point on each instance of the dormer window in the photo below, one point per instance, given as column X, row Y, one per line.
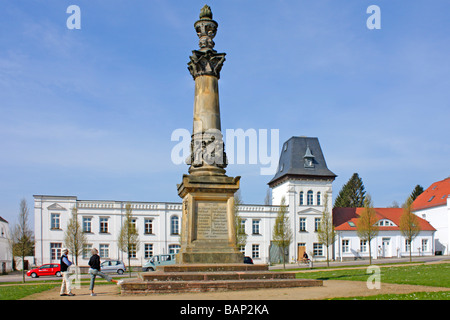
column 308, row 158
column 385, row 223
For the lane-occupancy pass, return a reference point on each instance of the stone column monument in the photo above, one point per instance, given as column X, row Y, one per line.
column 207, row 230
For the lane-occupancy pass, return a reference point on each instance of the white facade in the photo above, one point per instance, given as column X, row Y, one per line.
column 387, row 244
column 306, row 201
column 439, row 217
column 158, row 225
column 5, row 248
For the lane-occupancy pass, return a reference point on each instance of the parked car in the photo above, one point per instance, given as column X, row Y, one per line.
column 248, row 260
column 113, row 266
column 158, row 260
column 50, row 269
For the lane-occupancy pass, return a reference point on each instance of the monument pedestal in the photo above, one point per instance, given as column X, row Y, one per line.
column 208, row 230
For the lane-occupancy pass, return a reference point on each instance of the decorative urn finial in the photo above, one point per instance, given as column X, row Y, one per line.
column 205, row 12
column 206, row 29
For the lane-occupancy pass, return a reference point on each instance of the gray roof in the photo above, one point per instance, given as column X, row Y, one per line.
column 294, row 154
column 3, row 220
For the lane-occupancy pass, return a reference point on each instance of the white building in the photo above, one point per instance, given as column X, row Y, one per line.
column 389, row 241
column 433, row 205
column 158, row 225
column 5, row 248
column 305, row 181
column 302, row 177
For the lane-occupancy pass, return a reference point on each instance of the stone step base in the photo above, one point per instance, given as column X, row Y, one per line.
column 213, row 267
column 146, row 287
column 214, row 276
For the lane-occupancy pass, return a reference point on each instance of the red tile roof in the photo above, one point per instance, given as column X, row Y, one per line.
column 435, row 195
column 345, row 218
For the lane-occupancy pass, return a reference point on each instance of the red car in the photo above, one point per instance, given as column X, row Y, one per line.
column 51, row 269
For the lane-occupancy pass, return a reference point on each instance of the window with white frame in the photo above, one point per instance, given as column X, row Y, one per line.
column 148, row 226
column 317, row 249
column 309, row 198
column 302, row 225
column 55, row 221
column 385, row 223
column 87, row 224
column 301, row 198
column 174, row 225
column 133, row 222
column 55, row 250
column 103, row 224
column 407, row 245
column 148, row 250
column 242, row 227
column 242, row 249
column 316, row 224
column 363, row 245
column 255, row 226
column 174, row 248
column 104, row 250
column 87, row 251
column 132, row 252
column 319, row 200
column 345, row 245
column 255, row 251
column 424, row 244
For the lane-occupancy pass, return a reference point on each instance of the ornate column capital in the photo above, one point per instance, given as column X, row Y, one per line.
column 206, row 61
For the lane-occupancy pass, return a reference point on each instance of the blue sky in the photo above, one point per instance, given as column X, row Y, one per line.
column 90, row 112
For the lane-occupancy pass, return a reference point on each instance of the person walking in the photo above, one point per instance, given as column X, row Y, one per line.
column 65, row 263
column 94, row 270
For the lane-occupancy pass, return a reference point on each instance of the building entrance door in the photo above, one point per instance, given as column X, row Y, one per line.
column 386, row 248
column 301, row 248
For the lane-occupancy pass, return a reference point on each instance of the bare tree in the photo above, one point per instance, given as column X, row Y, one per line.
column 409, row 224
column 74, row 237
column 282, row 232
column 326, row 233
column 367, row 228
column 23, row 239
column 241, row 236
column 128, row 240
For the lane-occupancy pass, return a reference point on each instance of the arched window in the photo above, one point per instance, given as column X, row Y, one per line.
column 174, row 225
column 301, row 198
column 318, row 198
column 309, row 198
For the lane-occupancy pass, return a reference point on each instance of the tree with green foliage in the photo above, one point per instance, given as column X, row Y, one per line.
column 352, row 194
column 128, row 241
column 74, row 237
column 418, row 189
column 409, row 224
column 366, row 225
column 326, row 233
column 282, row 232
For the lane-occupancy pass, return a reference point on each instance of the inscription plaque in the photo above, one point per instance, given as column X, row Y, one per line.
column 211, row 220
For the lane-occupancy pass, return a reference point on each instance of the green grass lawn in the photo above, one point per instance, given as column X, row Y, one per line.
column 441, row 295
column 16, row 292
column 436, row 275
